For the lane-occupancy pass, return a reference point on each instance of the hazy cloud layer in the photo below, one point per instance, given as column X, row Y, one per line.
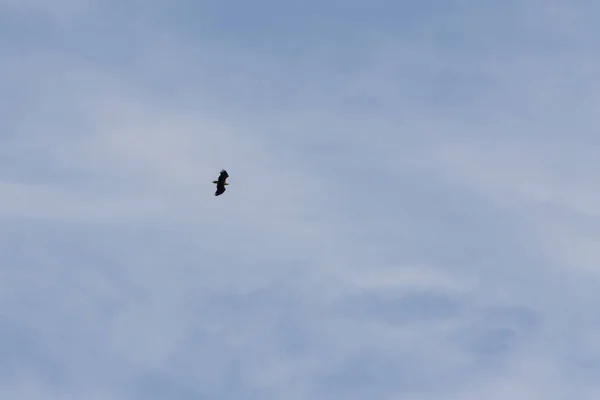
column 413, row 208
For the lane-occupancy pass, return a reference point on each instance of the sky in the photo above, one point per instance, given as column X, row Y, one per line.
column 413, row 210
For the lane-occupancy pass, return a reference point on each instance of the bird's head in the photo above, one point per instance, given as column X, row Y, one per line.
column 226, row 183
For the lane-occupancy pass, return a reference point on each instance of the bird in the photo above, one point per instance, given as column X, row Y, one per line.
column 221, row 182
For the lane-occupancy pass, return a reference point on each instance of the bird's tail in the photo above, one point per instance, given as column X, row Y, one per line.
column 215, row 182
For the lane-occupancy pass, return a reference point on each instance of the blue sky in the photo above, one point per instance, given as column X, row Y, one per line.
column 413, row 211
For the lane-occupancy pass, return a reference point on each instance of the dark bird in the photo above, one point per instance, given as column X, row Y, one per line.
column 221, row 182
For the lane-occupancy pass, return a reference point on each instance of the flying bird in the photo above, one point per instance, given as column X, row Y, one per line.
column 221, row 182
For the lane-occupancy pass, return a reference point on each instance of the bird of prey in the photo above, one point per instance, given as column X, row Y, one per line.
column 221, row 182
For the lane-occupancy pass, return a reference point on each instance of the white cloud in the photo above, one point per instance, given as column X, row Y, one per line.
column 382, row 237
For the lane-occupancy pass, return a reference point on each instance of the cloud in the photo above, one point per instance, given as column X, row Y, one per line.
column 407, row 217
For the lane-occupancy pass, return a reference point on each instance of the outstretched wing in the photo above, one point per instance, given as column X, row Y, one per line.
column 220, row 190
column 224, row 175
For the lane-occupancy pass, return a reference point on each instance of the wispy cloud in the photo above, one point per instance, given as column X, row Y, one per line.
column 412, row 209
